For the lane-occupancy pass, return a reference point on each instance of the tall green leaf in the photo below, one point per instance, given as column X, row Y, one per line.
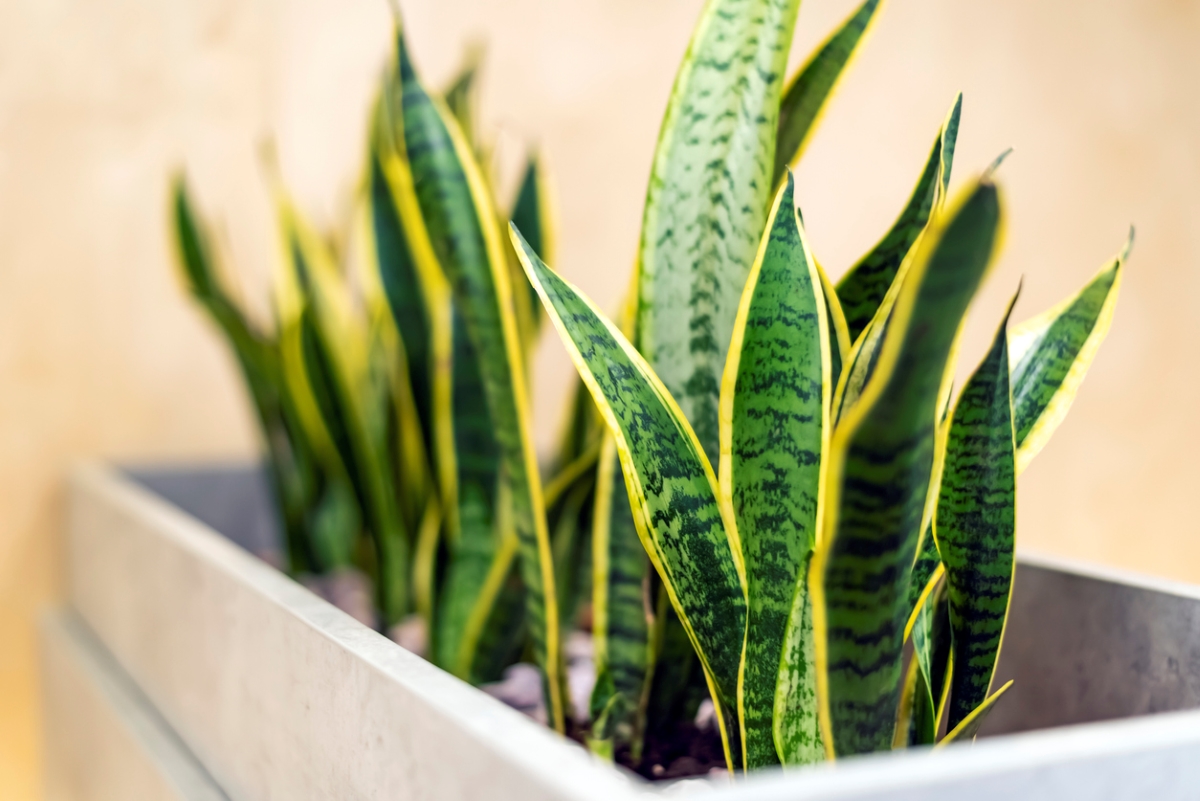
column 292, row 469
column 620, row 632
column 972, row 723
column 326, row 352
column 413, row 268
column 710, row 190
column 462, row 95
column 775, row 430
column 533, row 214
column 931, row 642
column 808, row 91
column 864, row 285
column 839, row 332
column 398, row 274
column 458, row 212
column 976, row 525
column 881, row 463
column 670, row 483
column 1051, row 355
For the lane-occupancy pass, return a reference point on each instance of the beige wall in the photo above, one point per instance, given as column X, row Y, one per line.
column 99, row 355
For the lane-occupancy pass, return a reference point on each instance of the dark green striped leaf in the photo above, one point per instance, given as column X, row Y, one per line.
column 923, row 570
column 881, row 463
column 571, row 540
column 839, row 334
column 970, row 726
column 774, row 433
column 672, row 487
column 478, row 566
column 532, row 214
column 807, row 92
column 427, row 279
column 864, row 286
column 620, row 631
column 467, row 592
column 976, row 525
column 462, row 223
column 1051, row 355
column 710, row 190
column 401, row 284
column 931, row 639
column 330, row 354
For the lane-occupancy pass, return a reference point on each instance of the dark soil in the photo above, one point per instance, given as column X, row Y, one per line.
column 690, row 751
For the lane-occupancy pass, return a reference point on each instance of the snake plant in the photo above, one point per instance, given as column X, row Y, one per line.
column 810, row 493
column 766, row 493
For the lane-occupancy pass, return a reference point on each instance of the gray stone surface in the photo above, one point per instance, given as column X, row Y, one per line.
column 282, row 696
column 102, row 738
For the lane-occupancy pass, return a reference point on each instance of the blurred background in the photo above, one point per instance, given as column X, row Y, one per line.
column 101, row 355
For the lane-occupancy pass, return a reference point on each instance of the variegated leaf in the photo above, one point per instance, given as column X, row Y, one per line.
column 670, row 482
column 808, row 91
column 976, row 525
column 864, row 286
column 620, row 630
column 710, row 190
column 461, row 219
column 775, row 430
column 1051, row 355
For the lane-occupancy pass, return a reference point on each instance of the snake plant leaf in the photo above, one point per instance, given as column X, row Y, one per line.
column 308, row 371
column 775, row 430
column 976, row 525
column 461, row 96
column 581, row 430
column 458, row 212
column 479, row 563
column 807, row 92
column 924, row 573
column 670, row 482
column 329, row 352
column 860, row 365
column 500, row 644
column 970, row 726
column 570, row 525
column 292, row 470
column 676, row 684
column 864, row 286
column 533, row 214
column 1052, row 352
column 931, row 641
column 620, row 630
column 927, row 567
column 409, row 421
column 396, row 419
column 477, row 570
column 839, row 333
column 425, row 568
column 397, row 271
column 434, row 297
column 709, row 194
column 480, row 618
column 881, row 462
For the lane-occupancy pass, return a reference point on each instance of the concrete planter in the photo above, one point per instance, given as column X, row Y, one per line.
column 220, row 677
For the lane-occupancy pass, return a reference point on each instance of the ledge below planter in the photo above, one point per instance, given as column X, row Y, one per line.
column 281, row 696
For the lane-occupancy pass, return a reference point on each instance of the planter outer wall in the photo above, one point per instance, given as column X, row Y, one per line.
column 280, row 695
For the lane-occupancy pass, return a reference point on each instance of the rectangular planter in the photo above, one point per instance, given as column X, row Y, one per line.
column 281, row 696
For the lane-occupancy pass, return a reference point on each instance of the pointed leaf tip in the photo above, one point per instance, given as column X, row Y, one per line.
column 995, row 165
